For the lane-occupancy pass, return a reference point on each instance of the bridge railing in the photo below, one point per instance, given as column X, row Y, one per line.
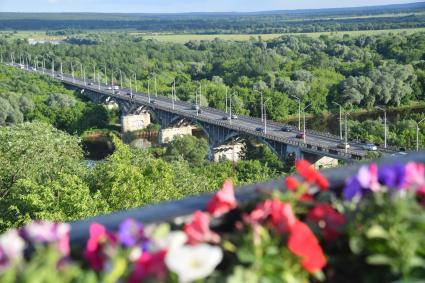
column 169, row 211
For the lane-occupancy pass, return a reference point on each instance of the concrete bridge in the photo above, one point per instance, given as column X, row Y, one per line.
column 178, row 117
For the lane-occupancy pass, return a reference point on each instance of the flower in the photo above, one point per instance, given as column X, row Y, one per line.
column 94, row 252
column 11, row 248
column 303, row 243
column 198, row 230
column 311, row 175
column 149, row 265
column 131, row 233
column 366, row 180
column 291, row 183
column 282, row 216
column 328, row 219
column 415, row 175
column 173, row 240
column 192, row 263
column 392, row 176
column 223, row 201
column 48, row 232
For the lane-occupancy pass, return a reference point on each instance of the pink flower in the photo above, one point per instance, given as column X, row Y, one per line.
column 49, row 233
column 304, row 244
column 415, row 175
column 94, row 252
column 198, row 230
column 149, row 265
column 283, row 217
column 329, row 220
column 368, row 177
column 11, row 249
column 223, row 201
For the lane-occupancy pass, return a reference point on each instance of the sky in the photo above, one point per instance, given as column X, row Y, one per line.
column 179, row 6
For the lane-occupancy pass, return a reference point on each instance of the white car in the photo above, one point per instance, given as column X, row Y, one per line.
column 109, row 88
column 370, row 147
column 116, row 87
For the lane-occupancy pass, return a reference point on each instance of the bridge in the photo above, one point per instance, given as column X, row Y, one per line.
column 175, row 115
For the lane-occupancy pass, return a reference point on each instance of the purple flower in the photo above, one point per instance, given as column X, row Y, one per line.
column 365, row 181
column 352, row 188
column 392, row 176
column 131, row 233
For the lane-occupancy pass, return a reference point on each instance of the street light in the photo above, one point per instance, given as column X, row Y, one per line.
column 299, row 110
column 346, row 131
column 340, row 119
column 265, row 115
column 305, row 108
column 227, row 90
column 385, row 125
column 261, row 104
column 417, row 133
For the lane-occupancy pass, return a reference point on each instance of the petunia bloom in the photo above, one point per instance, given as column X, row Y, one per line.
column 328, row 219
column 48, row 233
column 94, row 252
column 311, row 175
column 392, row 176
column 198, row 230
column 223, row 201
column 291, row 183
column 415, row 175
column 11, row 249
column 365, row 181
column 149, row 265
column 303, row 243
column 131, row 233
column 192, row 263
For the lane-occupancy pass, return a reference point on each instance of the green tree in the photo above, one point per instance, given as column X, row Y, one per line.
column 189, row 148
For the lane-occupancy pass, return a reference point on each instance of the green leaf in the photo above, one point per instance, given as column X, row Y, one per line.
column 376, row 232
column 379, row 259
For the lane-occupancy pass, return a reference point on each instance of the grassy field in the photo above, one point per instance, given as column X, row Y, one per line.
column 183, row 38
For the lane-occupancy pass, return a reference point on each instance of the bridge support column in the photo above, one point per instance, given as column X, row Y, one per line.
column 228, row 152
column 169, row 134
column 320, row 162
column 131, row 123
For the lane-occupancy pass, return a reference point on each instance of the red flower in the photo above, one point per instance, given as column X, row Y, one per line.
column 291, row 183
column 328, row 219
column 303, row 243
column 223, row 201
column 198, row 231
column 149, row 265
column 94, row 249
column 311, row 175
column 283, row 217
column 420, row 194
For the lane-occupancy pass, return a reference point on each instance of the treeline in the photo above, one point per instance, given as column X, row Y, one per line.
column 385, row 17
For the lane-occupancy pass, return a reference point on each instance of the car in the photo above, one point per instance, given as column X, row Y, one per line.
column 91, row 83
column 300, row 136
column 286, row 129
column 199, row 111
column 401, row 153
column 116, row 92
column 259, row 129
column 34, row 68
column 116, row 87
column 153, row 101
column 234, row 117
column 195, row 107
column 129, row 93
column 344, row 145
column 59, row 75
column 226, row 118
column 109, row 88
column 370, row 147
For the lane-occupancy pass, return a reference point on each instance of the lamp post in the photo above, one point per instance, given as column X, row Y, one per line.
column 417, row 133
column 346, row 131
column 61, row 71
column 299, row 110
column 261, row 104
column 72, row 72
column 305, row 108
column 265, row 115
column 340, row 119
column 227, row 90
column 385, row 125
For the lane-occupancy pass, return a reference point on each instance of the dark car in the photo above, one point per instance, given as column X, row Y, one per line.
column 286, row 129
column 300, row 136
column 226, row 118
column 235, row 117
column 195, row 107
column 259, row 129
column 153, row 101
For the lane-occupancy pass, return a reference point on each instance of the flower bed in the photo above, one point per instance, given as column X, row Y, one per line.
column 372, row 231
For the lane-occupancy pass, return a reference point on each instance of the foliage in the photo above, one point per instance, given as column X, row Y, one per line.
column 193, row 150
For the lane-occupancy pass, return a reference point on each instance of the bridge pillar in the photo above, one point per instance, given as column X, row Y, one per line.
column 228, row 152
column 131, row 123
column 168, row 134
column 320, row 162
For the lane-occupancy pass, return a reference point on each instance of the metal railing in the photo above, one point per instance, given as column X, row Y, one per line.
column 169, row 211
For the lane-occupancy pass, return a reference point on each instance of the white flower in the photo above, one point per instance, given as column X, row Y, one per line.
column 192, row 263
column 172, row 241
column 11, row 248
